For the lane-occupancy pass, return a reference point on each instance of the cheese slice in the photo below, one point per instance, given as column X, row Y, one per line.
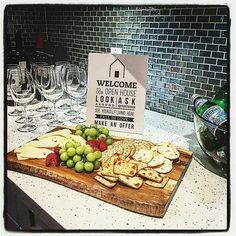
column 78, row 139
column 64, row 133
column 48, row 142
column 27, row 152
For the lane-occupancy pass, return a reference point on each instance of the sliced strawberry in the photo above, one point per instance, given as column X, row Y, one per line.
column 103, row 145
column 53, row 159
column 93, row 143
column 57, row 149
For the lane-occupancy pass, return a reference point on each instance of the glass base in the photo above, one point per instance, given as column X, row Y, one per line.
column 42, row 109
column 21, row 120
column 54, row 123
column 47, row 116
column 64, row 106
column 78, row 120
column 15, row 113
column 83, row 104
column 27, row 128
column 71, row 113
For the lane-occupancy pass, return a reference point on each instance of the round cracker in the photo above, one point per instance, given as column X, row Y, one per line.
column 165, row 167
column 169, row 151
column 157, row 160
column 143, row 155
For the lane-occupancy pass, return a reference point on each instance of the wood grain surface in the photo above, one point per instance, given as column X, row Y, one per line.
column 146, row 200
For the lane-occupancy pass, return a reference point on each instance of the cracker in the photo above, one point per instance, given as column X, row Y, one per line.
column 150, row 174
column 125, row 168
column 157, row 185
column 143, row 155
column 158, row 159
column 105, row 182
column 165, row 167
column 109, row 178
column 169, row 151
column 133, row 182
column 140, row 164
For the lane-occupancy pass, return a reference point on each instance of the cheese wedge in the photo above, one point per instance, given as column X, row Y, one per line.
column 48, row 142
column 33, row 153
column 64, row 133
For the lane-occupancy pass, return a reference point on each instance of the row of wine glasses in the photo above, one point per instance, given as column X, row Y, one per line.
column 52, row 82
column 22, row 93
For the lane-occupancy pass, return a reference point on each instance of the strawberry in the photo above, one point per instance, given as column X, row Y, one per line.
column 53, row 159
column 102, row 145
column 93, row 143
column 57, row 149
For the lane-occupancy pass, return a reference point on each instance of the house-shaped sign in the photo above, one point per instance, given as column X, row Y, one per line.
column 116, row 91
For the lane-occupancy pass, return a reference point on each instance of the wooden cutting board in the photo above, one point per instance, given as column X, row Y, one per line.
column 146, row 200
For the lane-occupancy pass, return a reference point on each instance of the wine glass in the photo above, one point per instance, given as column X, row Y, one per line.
column 40, row 70
column 76, row 88
column 52, row 88
column 23, row 93
column 61, row 66
column 13, row 70
column 37, row 72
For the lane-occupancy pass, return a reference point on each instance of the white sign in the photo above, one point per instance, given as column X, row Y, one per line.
column 116, row 91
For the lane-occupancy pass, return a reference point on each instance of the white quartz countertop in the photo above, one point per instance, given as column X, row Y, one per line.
column 199, row 203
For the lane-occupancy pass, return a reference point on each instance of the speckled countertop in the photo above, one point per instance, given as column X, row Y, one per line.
column 199, row 203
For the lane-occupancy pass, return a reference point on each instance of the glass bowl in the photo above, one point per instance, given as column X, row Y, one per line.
column 214, row 145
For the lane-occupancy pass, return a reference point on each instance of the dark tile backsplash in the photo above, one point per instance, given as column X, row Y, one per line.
column 187, row 45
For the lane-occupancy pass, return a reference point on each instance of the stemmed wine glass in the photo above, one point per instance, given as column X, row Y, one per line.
column 37, row 72
column 41, row 74
column 14, row 70
column 61, row 66
column 76, row 88
column 52, row 88
column 23, row 93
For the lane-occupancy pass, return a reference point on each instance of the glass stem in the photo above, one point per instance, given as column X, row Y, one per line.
column 71, row 102
column 25, row 115
column 42, row 97
column 54, row 111
column 77, row 108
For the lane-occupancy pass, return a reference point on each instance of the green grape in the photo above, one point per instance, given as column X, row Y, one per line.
column 91, row 157
column 98, row 154
column 92, row 132
column 105, row 131
column 88, row 149
column 62, row 150
column 97, row 164
column 93, row 126
column 77, row 158
column 108, row 141
column 71, row 151
column 79, row 132
column 64, row 157
column 80, row 150
column 102, row 136
column 79, row 166
column 69, row 144
column 70, row 163
column 88, row 166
